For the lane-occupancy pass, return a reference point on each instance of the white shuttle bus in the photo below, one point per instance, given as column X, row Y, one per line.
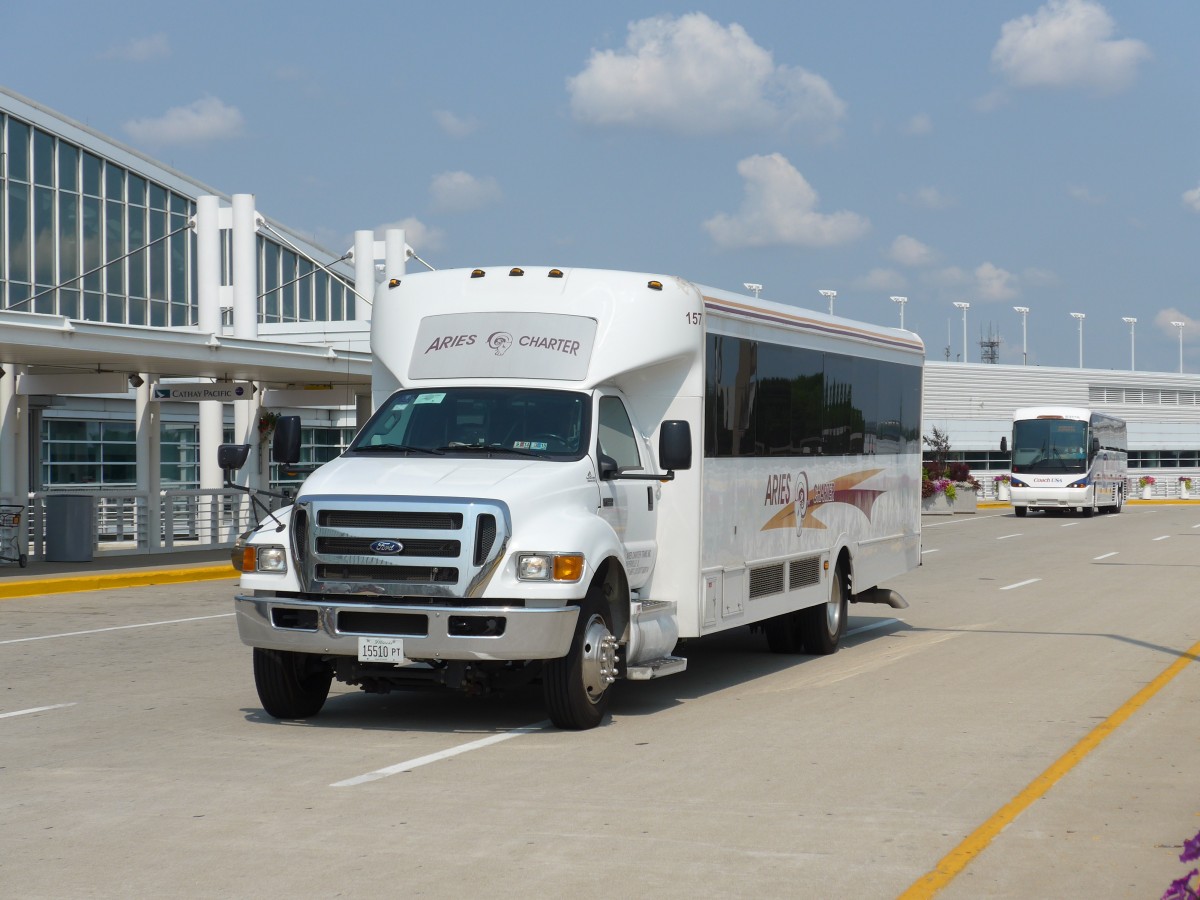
column 570, row 471
column 1068, row 459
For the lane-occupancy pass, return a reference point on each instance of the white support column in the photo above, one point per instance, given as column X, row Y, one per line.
column 245, row 267
column 8, row 433
column 395, row 262
column 364, row 274
column 395, row 258
column 149, row 461
column 208, row 290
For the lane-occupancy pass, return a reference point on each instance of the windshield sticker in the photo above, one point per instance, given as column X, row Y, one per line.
column 530, row 445
column 430, row 398
column 800, row 501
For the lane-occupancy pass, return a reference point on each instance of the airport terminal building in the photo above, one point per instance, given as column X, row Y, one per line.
column 109, row 314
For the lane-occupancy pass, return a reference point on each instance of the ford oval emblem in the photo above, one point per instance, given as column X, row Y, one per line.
column 386, row 548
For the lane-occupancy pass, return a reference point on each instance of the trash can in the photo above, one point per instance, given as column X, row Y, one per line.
column 70, row 527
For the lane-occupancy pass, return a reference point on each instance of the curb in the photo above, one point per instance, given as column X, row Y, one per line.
column 34, row 587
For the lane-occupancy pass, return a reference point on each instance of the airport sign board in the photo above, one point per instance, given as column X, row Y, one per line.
column 204, row 390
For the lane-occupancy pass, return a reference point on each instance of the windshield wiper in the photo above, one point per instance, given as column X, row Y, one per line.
column 493, row 448
column 395, row 448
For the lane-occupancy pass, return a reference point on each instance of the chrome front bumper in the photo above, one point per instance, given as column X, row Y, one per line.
column 334, row 626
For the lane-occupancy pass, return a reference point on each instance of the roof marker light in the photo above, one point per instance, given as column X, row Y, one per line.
column 394, row 283
column 477, row 273
column 554, row 273
column 515, row 272
column 654, row 285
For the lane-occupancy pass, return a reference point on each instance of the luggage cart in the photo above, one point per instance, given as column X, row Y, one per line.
column 10, row 534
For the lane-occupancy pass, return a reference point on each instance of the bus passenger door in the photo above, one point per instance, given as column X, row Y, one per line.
column 629, row 506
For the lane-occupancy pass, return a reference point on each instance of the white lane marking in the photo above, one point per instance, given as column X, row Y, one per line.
column 1069, row 524
column 1005, row 537
column 36, row 709
column 1196, row 526
column 438, row 757
column 1104, row 556
column 46, row 637
column 1162, row 537
column 934, row 550
column 882, row 623
column 1020, row 584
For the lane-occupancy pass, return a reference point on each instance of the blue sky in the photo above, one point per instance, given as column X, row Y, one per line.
column 1035, row 154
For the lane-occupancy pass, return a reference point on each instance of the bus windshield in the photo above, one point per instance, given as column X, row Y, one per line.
column 1049, row 445
column 548, row 424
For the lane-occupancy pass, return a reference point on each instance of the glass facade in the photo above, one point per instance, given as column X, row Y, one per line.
column 85, row 237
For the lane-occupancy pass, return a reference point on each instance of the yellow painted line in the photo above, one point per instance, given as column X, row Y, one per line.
column 975, row 843
column 101, row 581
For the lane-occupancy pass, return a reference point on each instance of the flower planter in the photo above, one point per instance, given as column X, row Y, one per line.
column 1185, row 492
column 965, row 500
column 937, row 505
column 1148, row 492
column 1003, row 492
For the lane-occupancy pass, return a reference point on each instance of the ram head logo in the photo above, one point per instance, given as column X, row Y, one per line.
column 500, row 341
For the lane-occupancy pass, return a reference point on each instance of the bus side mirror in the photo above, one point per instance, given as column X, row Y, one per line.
column 1095, row 446
column 231, row 457
column 1003, row 445
column 675, row 445
column 285, row 445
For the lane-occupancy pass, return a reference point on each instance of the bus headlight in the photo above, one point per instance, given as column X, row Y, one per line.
column 550, row 566
column 271, row 559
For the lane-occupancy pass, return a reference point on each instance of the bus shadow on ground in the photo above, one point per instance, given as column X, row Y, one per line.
column 715, row 663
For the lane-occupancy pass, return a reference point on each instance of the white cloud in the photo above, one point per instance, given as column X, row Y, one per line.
column 994, row 283
column 462, row 191
column 779, row 208
column 421, row 237
column 1067, row 43
column 929, row 198
column 919, row 124
column 207, row 119
column 1192, row 198
column 454, row 125
column 1084, row 195
column 695, row 76
column 908, row 251
column 883, row 280
column 143, row 49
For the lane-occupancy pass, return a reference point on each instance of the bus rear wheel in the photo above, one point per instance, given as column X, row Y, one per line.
column 821, row 627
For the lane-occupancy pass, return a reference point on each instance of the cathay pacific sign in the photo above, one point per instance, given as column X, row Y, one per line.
column 204, row 390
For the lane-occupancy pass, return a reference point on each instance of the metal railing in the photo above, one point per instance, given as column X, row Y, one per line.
column 124, row 522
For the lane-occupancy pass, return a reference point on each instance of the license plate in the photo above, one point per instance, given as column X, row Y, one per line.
column 381, row 649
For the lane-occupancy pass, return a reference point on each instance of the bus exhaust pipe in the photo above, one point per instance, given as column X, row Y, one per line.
column 881, row 595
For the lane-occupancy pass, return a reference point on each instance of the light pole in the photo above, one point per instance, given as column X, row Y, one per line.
column 753, row 288
column 900, row 301
column 1080, row 317
column 829, row 295
column 1180, row 325
column 1024, row 311
column 964, row 307
column 1131, row 322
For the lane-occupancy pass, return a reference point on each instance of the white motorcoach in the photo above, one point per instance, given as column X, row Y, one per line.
column 568, row 471
column 1068, row 459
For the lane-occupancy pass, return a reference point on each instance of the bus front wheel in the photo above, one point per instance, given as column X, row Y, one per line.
column 1020, row 511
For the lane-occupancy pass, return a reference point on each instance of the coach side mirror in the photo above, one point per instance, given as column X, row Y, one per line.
column 285, row 445
column 1003, row 445
column 231, row 457
column 675, row 445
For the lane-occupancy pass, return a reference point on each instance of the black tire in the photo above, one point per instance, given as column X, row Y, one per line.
column 291, row 685
column 577, row 687
column 783, row 633
column 1020, row 511
column 23, row 560
column 821, row 627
